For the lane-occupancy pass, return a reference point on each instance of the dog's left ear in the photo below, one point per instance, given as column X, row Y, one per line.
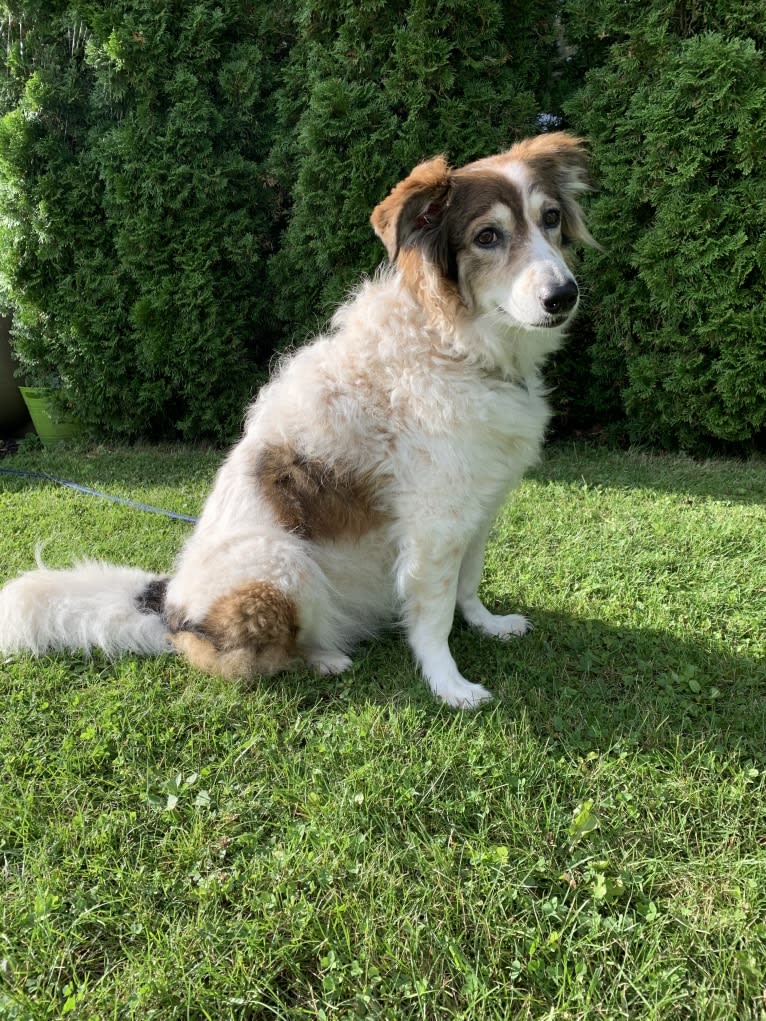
column 562, row 160
column 414, row 211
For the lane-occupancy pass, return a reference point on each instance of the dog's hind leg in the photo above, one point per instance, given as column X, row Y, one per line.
column 249, row 632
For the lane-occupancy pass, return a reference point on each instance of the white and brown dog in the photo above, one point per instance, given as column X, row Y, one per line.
column 372, row 466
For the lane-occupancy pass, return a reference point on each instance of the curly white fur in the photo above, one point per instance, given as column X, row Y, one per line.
column 92, row 605
column 427, row 386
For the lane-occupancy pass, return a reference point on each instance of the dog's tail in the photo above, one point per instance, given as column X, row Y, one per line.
column 92, row 605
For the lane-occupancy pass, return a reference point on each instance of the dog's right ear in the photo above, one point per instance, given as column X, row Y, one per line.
column 413, row 212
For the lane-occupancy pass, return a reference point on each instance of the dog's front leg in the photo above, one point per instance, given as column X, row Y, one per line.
column 428, row 580
column 474, row 611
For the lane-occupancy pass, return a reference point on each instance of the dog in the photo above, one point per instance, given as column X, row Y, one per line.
column 373, row 464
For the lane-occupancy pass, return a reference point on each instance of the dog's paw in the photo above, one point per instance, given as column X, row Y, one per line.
column 461, row 694
column 512, row 625
column 326, row 662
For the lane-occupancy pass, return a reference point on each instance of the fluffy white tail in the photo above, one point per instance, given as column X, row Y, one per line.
column 90, row 605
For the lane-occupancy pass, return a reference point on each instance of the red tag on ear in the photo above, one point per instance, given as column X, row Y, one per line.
column 425, row 219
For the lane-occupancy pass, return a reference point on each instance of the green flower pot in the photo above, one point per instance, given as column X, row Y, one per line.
column 50, row 424
column 13, row 412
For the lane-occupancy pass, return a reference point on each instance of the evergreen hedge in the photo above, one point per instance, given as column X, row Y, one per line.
column 136, row 213
column 185, row 187
column 674, row 106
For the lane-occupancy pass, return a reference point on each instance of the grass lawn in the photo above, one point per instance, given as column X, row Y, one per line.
column 592, row 845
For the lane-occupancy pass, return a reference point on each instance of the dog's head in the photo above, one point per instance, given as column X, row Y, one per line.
column 492, row 238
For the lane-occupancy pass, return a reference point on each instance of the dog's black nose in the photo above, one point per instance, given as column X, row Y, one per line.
column 560, row 299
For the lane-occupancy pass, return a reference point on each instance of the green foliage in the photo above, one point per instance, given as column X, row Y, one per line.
column 185, row 187
column 676, row 114
column 370, row 90
column 136, row 217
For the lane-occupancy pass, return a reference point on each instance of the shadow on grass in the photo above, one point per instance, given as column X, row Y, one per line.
column 575, row 686
column 579, row 684
column 580, row 463
column 121, row 467
column 585, row 684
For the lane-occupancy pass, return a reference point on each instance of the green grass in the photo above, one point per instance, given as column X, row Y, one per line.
column 593, row 845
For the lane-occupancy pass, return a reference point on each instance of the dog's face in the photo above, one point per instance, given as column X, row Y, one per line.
column 493, row 236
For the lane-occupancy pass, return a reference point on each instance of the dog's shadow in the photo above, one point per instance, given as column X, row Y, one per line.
column 731, row 481
column 581, row 685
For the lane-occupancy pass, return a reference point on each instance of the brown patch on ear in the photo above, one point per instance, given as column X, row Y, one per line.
column 560, row 162
column 565, row 150
column 413, row 205
column 316, row 500
column 249, row 632
column 436, row 293
column 411, row 223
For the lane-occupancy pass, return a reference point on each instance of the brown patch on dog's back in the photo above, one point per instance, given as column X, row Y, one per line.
column 249, row 632
column 315, row 500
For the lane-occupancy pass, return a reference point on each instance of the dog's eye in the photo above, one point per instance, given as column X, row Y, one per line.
column 487, row 238
column 551, row 218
